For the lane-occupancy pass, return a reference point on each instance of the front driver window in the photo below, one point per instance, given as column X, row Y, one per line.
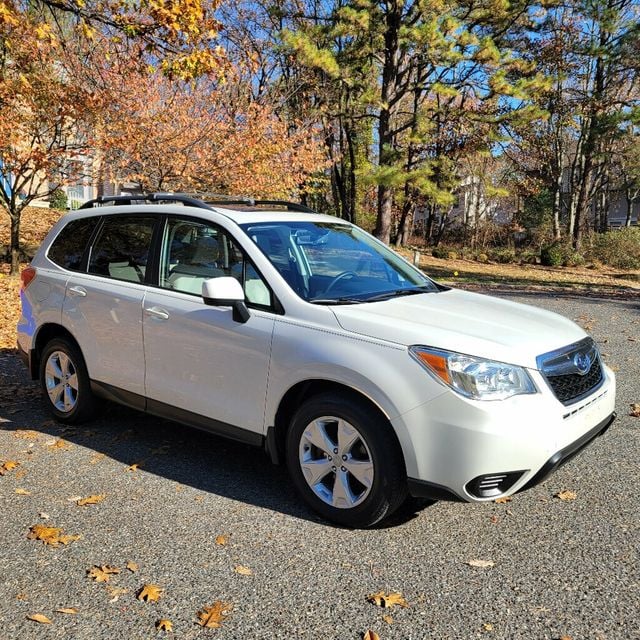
column 194, row 251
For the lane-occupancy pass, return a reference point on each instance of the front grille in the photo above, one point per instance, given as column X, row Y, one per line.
column 560, row 370
column 574, row 385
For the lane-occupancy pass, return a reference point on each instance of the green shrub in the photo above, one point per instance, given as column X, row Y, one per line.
column 553, row 255
column 444, row 253
column 58, row 200
column 503, row 255
column 619, row 249
column 529, row 257
column 482, row 257
column 572, row 259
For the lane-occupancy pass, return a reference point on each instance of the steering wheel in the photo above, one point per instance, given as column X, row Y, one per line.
column 340, row 276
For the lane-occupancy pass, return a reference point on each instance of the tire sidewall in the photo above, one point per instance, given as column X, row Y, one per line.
column 387, row 461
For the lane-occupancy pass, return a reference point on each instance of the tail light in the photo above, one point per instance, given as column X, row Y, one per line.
column 26, row 277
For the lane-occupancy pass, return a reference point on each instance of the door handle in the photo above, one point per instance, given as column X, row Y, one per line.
column 78, row 291
column 157, row 312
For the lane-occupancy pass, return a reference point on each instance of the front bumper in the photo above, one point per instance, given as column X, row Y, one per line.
column 472, row 451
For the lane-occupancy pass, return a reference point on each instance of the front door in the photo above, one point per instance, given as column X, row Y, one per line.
column 198, row 359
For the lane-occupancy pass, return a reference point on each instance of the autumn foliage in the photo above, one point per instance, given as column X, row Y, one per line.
column 167, row 135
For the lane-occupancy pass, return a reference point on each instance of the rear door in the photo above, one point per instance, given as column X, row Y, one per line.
column 103, row 307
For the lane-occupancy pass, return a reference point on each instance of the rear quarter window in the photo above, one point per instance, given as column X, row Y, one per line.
column 69, row 246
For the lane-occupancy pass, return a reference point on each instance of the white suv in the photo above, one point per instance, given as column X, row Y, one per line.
column 301, row 333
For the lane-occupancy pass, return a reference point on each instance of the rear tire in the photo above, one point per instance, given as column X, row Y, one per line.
column 65, row 383
column 345, row 461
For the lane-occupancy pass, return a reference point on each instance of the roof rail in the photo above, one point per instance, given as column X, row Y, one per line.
column 193, row 202
column 252, row 202
column 145, row 197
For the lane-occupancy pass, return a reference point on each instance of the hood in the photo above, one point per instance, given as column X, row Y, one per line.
column 465, row 322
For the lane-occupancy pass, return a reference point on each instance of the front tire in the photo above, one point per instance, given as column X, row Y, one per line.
column 345, row 461
column 65, row 382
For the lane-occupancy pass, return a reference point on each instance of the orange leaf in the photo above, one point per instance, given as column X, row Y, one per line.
column 164, row 625
column 9, row 465
column 149, row 593
column 50, row 535
column 243, row 571
column 91, row 500
column 386, row 600
column 38, row 617
column 68, row 610
column 213, row 616
column 221, row 540
column 370, row 635
column 565, row 496
column 102, row 573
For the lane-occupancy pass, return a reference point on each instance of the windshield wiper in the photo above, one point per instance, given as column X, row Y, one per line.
column 335, row 301
column 396, row 293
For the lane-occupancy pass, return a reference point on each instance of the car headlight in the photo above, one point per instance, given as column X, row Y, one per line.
column 473, row 377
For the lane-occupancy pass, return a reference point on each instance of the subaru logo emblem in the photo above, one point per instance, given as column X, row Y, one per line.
column 582, row 362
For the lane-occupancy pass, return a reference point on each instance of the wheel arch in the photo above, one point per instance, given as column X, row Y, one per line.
column 303, row 391
column 45, row 334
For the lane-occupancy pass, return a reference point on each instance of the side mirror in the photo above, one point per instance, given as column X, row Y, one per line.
column 226, row 292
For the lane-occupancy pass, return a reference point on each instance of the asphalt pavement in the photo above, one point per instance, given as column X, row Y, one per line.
column 210, row 520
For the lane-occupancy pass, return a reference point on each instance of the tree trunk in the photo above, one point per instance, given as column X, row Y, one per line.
column 15, row 243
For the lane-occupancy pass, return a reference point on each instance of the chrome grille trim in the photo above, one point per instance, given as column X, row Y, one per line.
column 573, row 372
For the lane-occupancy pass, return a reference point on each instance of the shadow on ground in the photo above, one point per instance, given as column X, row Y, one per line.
column 167, row 449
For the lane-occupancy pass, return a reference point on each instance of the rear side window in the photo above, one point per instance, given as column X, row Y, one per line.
column 68, row 248
column 121, row 250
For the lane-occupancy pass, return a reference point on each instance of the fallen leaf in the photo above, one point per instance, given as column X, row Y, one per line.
column 26, row 434
column 96, row 457
column 487, row 626
column 132, row 566
column 503, row 500
column 386, row 600
column 43, row 515
column 38, row 617
column 164, row 625
column 213, row 616
column 23, row 492
column 69, row 610
column 370, row 635
column 9, row 465
column 116, row 592
column 494, row 519
column 221, row 540
column 134, row 467
column 60, row 444
column 149, row 593
column 91, row 500
column 565, row 496
column 387, row 618
column 481, row 564
column 50, row 535
column 22, row 596
column 102, row 573
column 635, row 410
column 243, row 571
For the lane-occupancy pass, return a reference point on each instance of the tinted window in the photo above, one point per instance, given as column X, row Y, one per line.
column 68, row 248
column 194, row 251
column 121, row 250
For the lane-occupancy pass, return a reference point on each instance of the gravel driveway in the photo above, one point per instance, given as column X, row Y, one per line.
column 560, row 568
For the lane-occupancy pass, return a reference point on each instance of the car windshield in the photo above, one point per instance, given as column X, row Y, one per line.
column 336, row 263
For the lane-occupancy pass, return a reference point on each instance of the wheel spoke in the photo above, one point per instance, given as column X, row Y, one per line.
column 347, row 437
column 55, row 393
column 64, row 363
column 69, row 400
column 317, row 435
column 53, row 369
column 315, row 470
column 343, row 498
column 362, row 471
column 73, row 382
